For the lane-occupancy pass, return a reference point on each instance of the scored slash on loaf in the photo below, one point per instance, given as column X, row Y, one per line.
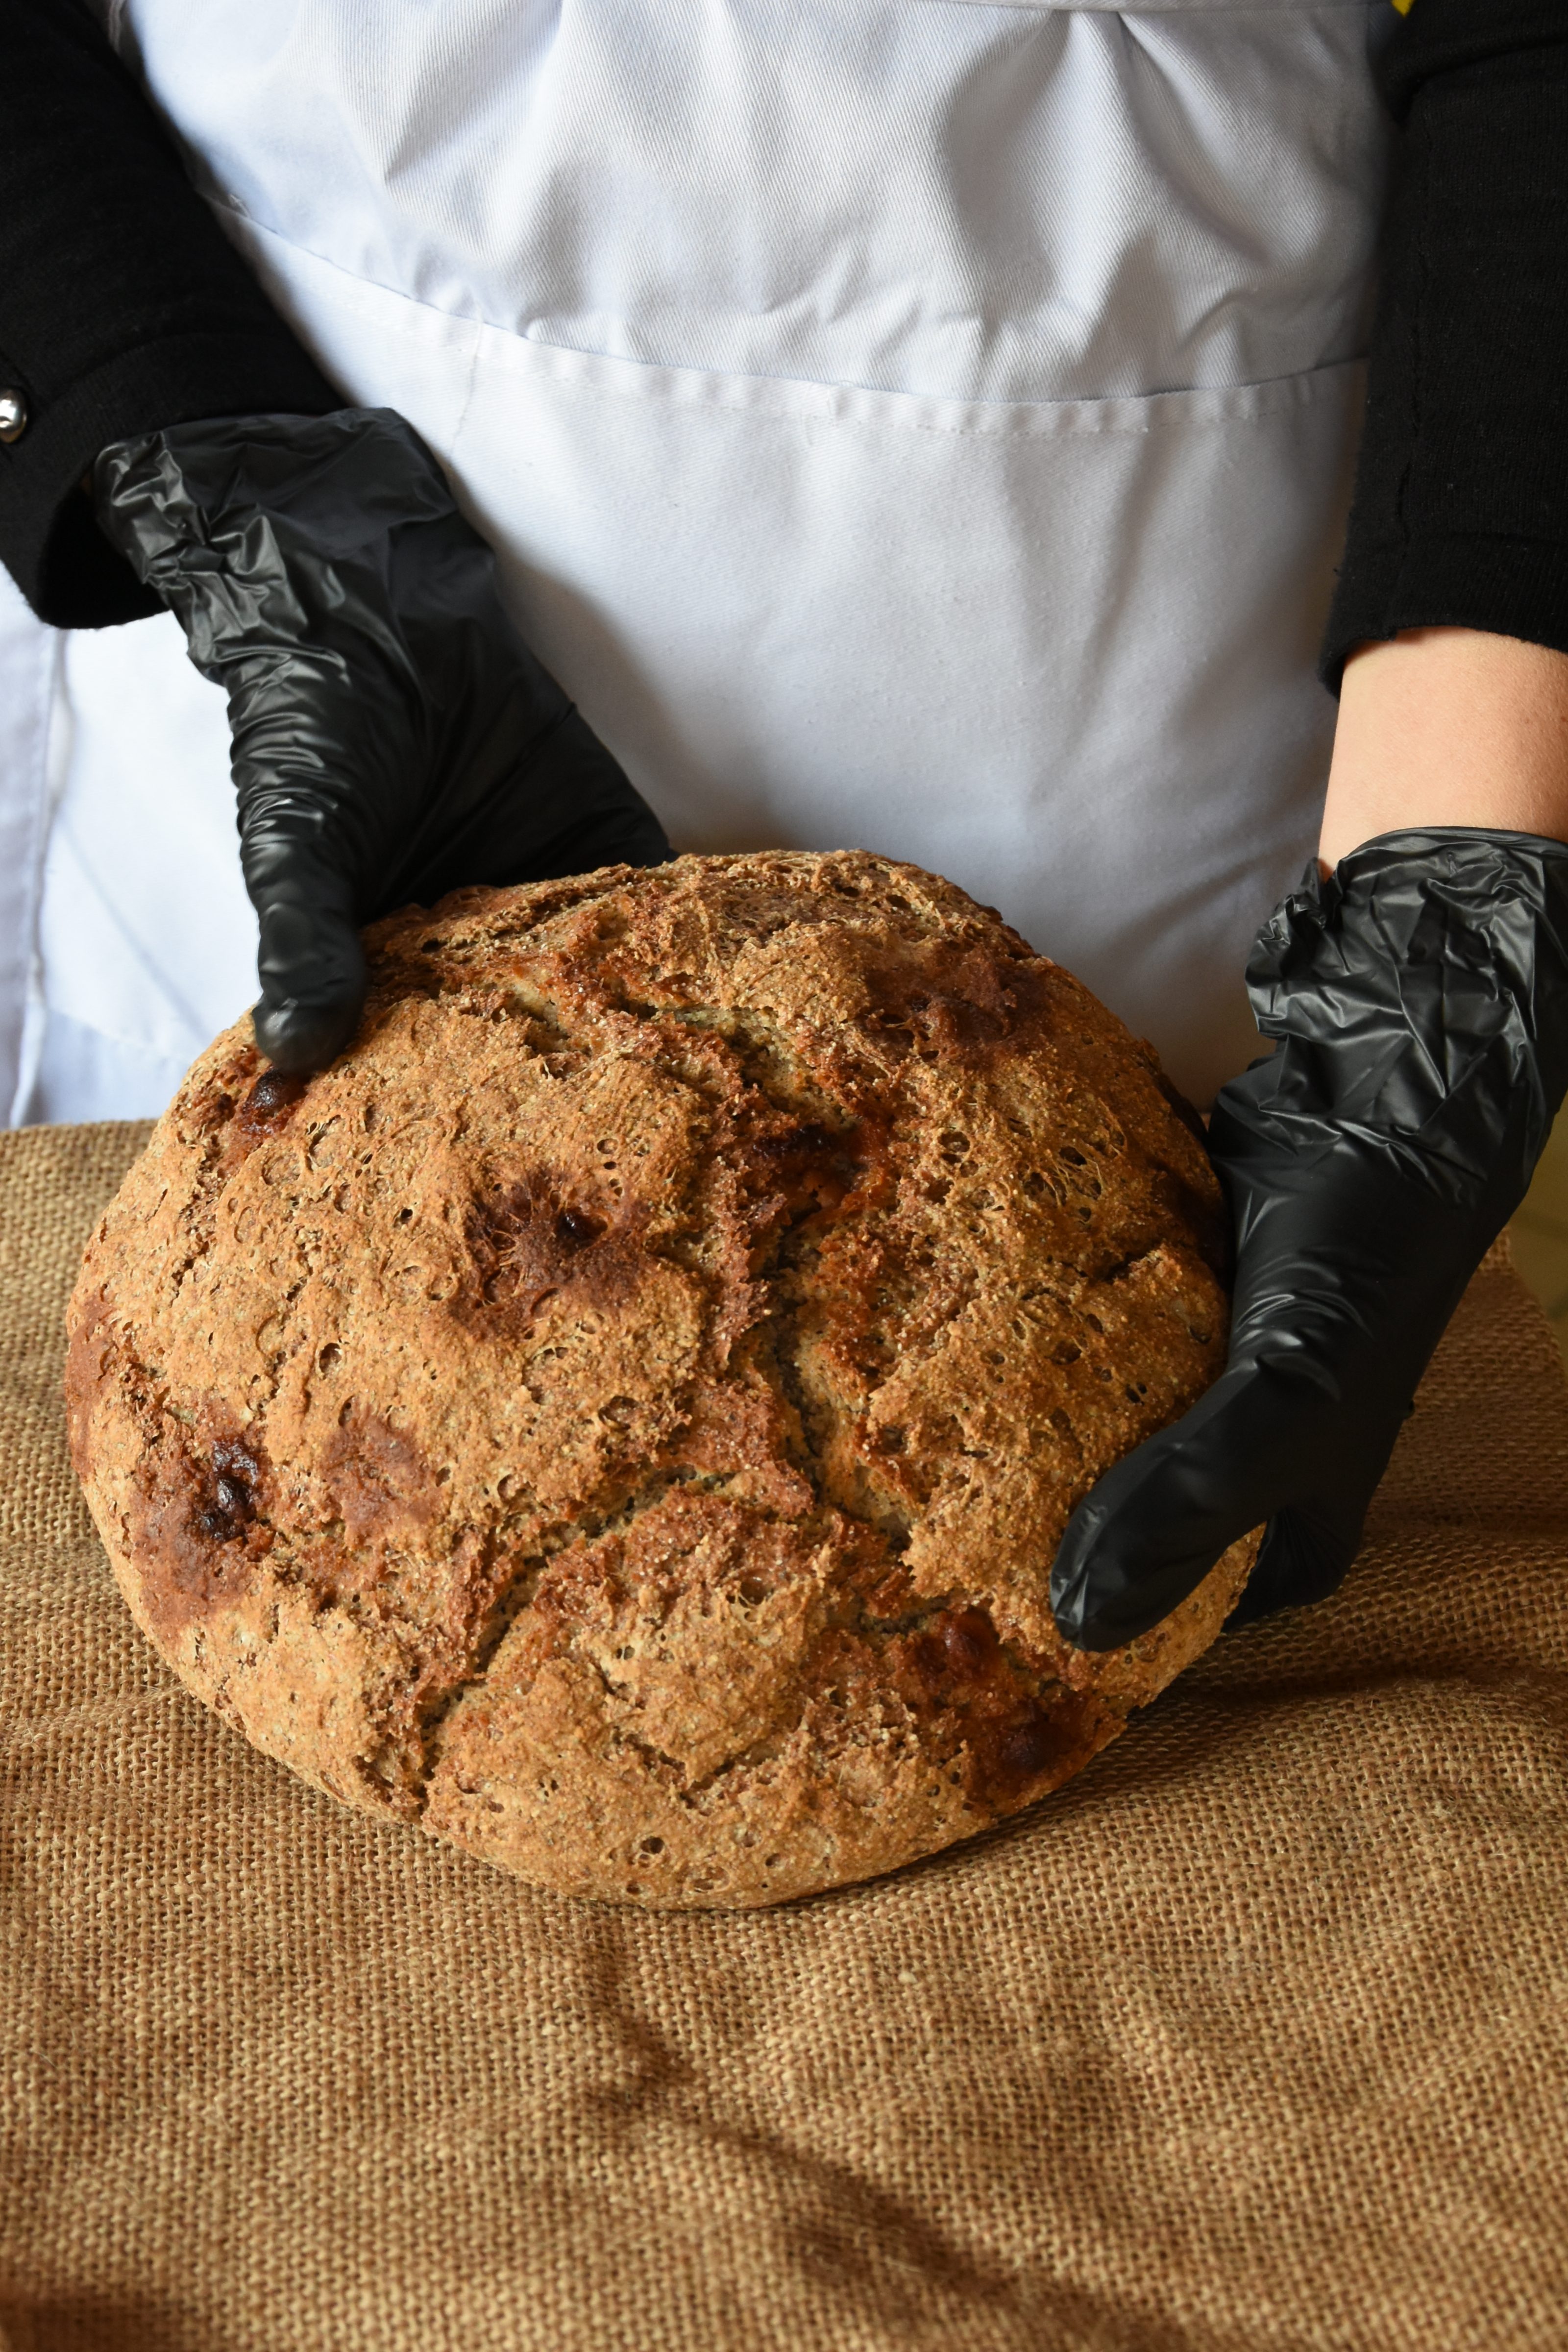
column 622, row 1414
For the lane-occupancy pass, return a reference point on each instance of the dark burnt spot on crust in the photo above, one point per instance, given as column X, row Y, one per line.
column 530, row 1237
column 269, row 1107
column 208, row 1105
column 807, row 1142
column 804, row 1174
column 246, row 1105
column 1037, row 1746
column 956, row 1653
column 198, row 1524
column 230, row 1500
column 575, row 1229
column 969, row 1641
column 1027, row 1748
column 274, row 1092
column 1025, row 1732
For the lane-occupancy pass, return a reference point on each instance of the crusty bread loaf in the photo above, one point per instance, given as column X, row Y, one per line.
column 621, row 1415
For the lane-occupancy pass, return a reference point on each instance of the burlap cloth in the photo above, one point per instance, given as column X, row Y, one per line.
column 1254, row 2036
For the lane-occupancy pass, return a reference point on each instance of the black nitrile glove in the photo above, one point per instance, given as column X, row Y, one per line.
column 1420, row 999
column 393, row 737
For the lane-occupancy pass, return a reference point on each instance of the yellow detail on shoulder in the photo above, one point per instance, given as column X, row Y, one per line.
column 1404, row 6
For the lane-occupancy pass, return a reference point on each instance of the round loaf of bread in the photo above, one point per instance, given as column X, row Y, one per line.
column 621, row 1415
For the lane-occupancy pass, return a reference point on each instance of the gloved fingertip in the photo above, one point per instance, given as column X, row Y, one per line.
column 1095, row 1604
column 298, row 1037
column 649, row 844
column 312, row 973
column 1082, row 1631
column 1085, row 1626
column 1140, row 1543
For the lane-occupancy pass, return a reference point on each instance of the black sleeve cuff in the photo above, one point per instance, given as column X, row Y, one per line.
column 50, row 540
column 123, row 308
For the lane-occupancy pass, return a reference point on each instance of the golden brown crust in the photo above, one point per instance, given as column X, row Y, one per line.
column 621, row 1415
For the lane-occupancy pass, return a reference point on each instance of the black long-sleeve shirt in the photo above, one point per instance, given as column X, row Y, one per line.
column 123, row 308
column 1460, row 515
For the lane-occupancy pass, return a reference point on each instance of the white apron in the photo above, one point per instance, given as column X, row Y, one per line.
column 915, row 423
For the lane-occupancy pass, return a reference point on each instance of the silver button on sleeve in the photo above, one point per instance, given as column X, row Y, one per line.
column 12, row 413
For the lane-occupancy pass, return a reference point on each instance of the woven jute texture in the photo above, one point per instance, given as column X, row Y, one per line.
column 1257, row 2035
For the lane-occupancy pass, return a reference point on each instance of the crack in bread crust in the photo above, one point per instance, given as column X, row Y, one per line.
column 622, row 1414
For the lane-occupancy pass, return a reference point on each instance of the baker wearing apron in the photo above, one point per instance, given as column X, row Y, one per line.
column 923, row 424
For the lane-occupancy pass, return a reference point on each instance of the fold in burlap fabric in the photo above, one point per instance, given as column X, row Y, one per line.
column 1257, row 2035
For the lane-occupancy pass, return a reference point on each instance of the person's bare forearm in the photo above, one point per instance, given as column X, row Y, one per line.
column 1445, row 727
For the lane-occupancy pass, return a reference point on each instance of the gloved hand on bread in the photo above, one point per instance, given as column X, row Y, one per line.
column 1418, row 997
column 392, row 738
